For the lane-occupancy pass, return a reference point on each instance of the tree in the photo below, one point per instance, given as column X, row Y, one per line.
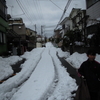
column 70, row 36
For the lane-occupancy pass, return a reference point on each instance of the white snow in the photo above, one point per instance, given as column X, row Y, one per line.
column 76, row 59
column 98, row 19
column 62, row 54
column 79, row 43
column 5, row 66
column 42, row 76
column 90, row 36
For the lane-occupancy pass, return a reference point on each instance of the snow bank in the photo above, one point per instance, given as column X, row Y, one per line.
column 65, row 83
column 62, row 54
column 76, row 59
column 97, row 58
column 5, row 66
column 8, row 86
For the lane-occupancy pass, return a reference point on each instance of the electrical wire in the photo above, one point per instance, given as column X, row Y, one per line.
column 28, row 11
column 20, row 5
column 38, row 11
column 56, row 5
column 65, row 9
column 41, row 12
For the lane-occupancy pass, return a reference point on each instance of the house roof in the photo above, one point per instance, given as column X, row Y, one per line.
column 64, row 20
column 15, row 19
column 92, row 22
column 74, row 10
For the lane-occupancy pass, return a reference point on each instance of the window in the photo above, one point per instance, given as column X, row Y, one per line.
column 1, row 40
column 4, row 38
column 63, row 26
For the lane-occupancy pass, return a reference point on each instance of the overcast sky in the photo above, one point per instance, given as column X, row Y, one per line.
column 45, row 13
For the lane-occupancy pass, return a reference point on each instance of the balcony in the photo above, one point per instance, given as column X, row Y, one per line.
column 3, row 9
column 3, row 15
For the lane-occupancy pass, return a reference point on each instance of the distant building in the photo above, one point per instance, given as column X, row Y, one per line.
column 65, row 23
column 78, row 18
column 13, row 42
column 31, row 38
column 38, row 41
column 17, row 25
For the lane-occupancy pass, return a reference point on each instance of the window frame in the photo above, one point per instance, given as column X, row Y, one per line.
column 2, row 38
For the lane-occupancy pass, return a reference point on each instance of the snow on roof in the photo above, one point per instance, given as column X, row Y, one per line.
column 98, row 19
column 90, row 36
column 16, row 24
column 79, row 43
column 93, row 22
column 15, row 19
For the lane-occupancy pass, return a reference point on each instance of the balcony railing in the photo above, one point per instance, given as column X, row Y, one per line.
column 3, row 15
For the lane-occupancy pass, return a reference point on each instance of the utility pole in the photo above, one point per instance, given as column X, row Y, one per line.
column 41, row 30
column 35, row 27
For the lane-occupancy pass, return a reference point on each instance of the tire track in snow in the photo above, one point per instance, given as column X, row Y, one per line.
column 38, row 85
column 54, row 83
column 65, row 84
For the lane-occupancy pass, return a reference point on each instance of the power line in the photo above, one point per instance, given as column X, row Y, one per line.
column 66, row 7
column 20, row 5
column 56, row 5
column 38, row 10
column 34, row 17
column 27, row 10
column 41, row 12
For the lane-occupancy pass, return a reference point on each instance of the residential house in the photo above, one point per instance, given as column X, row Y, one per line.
column 78, row 18
column 93, row 22
column 38, row 41
column 57, row 37
column 18, row 26
column 66, row 24
column 13, row 42
column 3, row 27
column 74, row 28
column 31, row 37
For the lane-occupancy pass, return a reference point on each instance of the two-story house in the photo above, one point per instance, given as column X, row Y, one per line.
column 93, row 22
column 66, row 24
column 78, row 18
column 31, row 37
column 3, row 26
column 18, row 26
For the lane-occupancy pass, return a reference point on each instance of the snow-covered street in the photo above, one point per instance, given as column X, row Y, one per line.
column 42, row 76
